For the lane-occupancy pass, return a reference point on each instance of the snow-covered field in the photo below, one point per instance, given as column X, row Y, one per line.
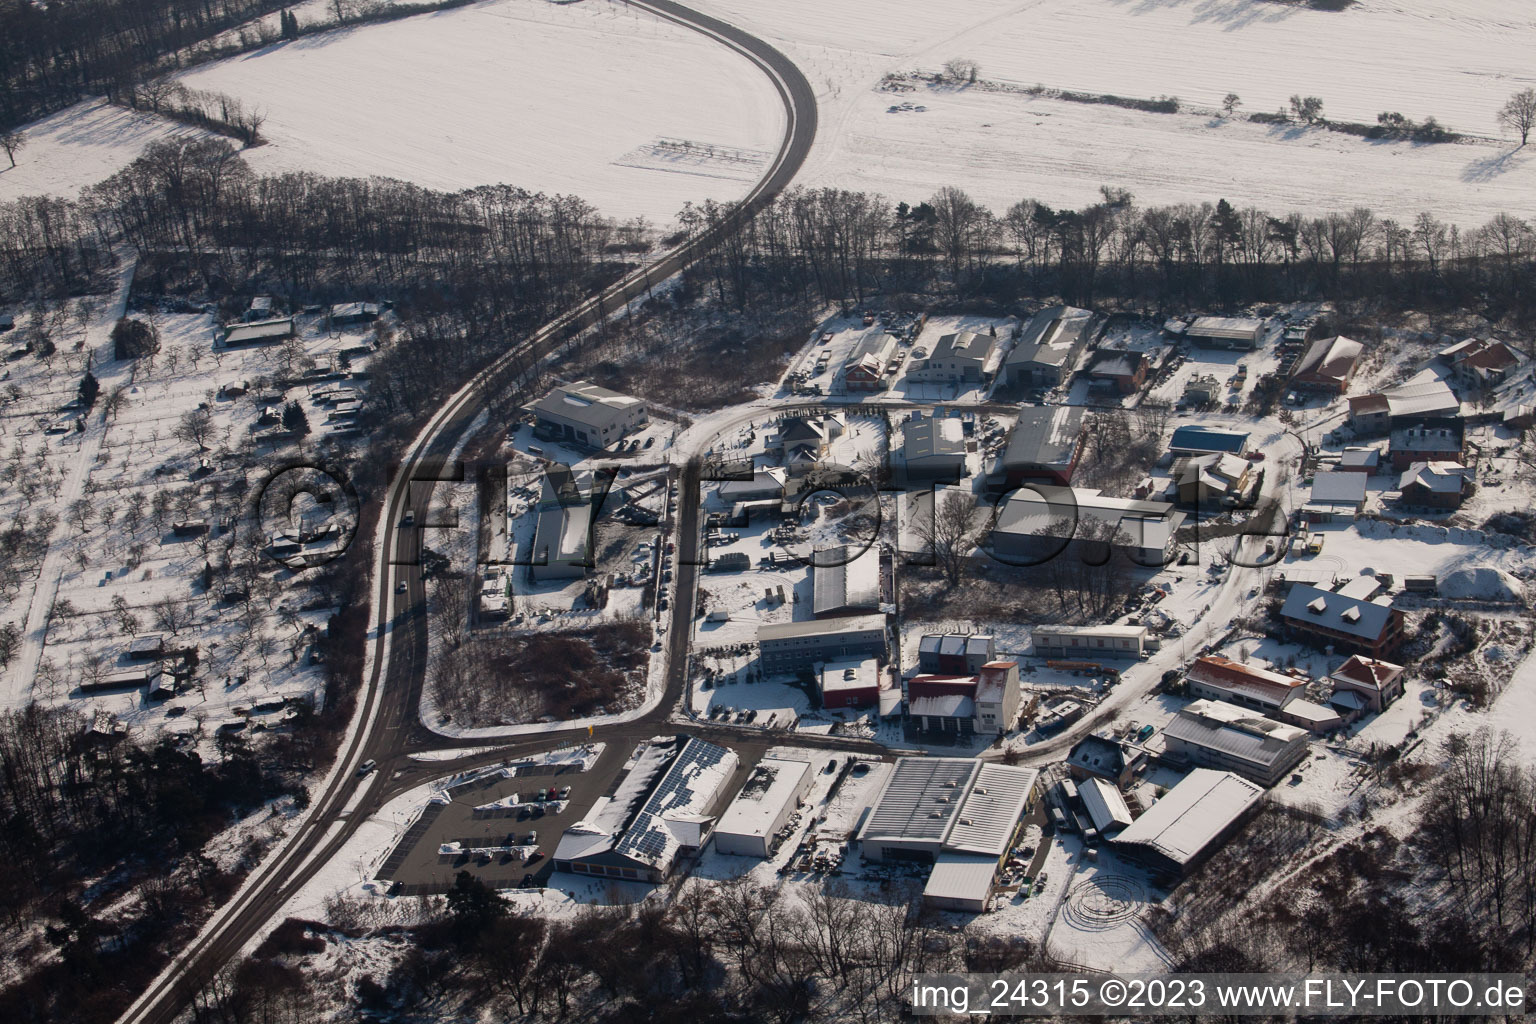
column 80, row 146
column 1457, row 61
column 569, row 99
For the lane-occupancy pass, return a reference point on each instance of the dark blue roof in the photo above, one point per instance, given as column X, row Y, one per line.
column 1208, row 439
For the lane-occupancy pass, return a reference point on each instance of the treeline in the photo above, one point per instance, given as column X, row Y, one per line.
column 472, row 269
column 833, row 245
column 54, row 54
column 103, row 841
column 735, row 950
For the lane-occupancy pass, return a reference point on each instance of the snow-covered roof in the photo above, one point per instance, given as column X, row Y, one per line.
column 1436, row 477
column 1308, row 604
column 1051, row 336
column 1105, row 805
column 932, row 437
column 1193, row 814
column 1368, row 672
column 961, row 876
column 1239, row 677
column 921, row 798
column 844, row 578
column 819, row 627
column 1230, row 327
column 774, row 782
column 949, row 705
column 852, row 674
column 1329, row 360
column 674, row 810
column 1239, row 732
column 586, row 403
column 1045, row 436
column 1148, row 524
column 992, row 809
column 1338, row 488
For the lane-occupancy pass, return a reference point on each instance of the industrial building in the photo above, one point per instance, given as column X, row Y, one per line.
column 1106, row 807
column 659, row 812
column 1242, row 333
column 961, row 357
column 1192, row 439
column 932, row 449
column 1273, row 694
column 1050, row 347
column 1178, row 832
column 773, row 791
column 792, row 646
column 845, row 581
column 1076, row 522
column 1215, row 734
column 960, row 814
column 954, row 653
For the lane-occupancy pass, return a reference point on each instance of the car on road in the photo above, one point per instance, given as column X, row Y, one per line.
column 409, row 518
column 367, row 767
column 400, row 587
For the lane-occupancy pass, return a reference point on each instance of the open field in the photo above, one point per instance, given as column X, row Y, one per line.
column 559, row 99
column 1457, row 62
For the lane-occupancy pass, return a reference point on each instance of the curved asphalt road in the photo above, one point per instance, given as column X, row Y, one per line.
column 389, row 698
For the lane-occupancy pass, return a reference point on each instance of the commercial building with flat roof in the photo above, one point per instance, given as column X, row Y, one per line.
column 1225, row 332
column 1192, row 821
column 773, row 791
column 850, row 684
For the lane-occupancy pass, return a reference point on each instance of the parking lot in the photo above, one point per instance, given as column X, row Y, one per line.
column 417, row 866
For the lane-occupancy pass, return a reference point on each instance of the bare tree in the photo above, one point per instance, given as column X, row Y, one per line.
column 950, row 533
column 13, row 141
column 1230, row 102
column 195, row 427
column 1519, row 114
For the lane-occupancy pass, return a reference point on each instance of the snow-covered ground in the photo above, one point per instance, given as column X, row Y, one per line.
column 577, row 99
column 80, row 146
column 1457, row 61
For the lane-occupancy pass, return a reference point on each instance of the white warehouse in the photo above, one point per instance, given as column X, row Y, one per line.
column 773, row 792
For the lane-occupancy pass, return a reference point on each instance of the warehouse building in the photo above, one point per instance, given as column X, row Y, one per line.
column 932, row 449
column 1049, row 348
column 960, row 814
column 1242, row 333
column 1105, row 806
column 1178, row 832
column 845, row 581
column 658, row 813
column 1045, row 444
column 1032, row 526
column 753, row 821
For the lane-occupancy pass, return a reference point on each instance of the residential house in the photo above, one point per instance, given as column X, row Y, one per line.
column 869, row 364
column 1208, row 481
column 1425, row 444
column 1375, row 682
column 1102, row 756
column 1438, row 485
column 1480, row 362
column 1348, row 624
